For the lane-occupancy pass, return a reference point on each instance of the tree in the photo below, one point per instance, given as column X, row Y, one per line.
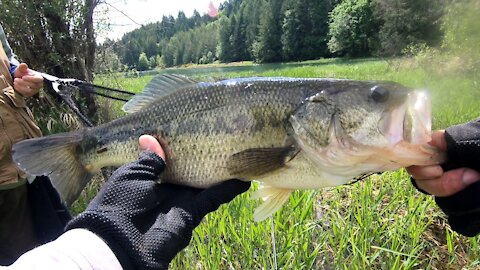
column 210, row 57
column 305, row 29
column 195, row 20
column 252, row 11
column 131, row 52
column 54, row 36
column 317, row 39
column 167, row 54
column 192, row 46
column 296, row 28
column 225, row 46
column 229, row 7
column 460, row 43
column 106, row 58
column 237, row 39
column 406, row 22
column 143, row 63
column 353, row 28
column 61, row 30
column 150, row 45
column 290, row 39
column 154, row 39
column 181, row 23
column 268, row 47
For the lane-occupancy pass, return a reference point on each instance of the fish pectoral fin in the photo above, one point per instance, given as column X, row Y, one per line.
column 257, row 161
column 273, row 198
column 158, row 87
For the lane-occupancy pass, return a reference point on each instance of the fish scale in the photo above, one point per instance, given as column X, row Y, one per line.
column 189, row 127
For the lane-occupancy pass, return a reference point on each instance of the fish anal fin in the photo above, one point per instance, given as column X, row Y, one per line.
column 273, row 198
column 254, row 162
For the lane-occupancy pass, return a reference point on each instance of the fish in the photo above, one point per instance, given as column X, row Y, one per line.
column 286, row 133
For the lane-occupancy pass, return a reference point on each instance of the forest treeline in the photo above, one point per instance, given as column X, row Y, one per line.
column 280, row 30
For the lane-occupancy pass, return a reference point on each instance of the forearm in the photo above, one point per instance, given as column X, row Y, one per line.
column 75, row 249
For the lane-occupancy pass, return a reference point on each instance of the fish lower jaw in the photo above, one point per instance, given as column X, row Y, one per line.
column 339, row 165
column 409, row 154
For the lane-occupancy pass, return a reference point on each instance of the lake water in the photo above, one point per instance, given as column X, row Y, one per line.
column 248, row 68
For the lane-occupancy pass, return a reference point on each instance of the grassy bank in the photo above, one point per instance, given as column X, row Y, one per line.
column 379, row 223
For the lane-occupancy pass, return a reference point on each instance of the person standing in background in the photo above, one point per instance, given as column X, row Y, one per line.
column 30, row 214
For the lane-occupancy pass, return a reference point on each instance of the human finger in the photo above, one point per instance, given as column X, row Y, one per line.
column 425, row 172
column 450, row 182
column 34, row 78
column 25, row 89
column 438, row 140
column 26, row 83
column 21, row 70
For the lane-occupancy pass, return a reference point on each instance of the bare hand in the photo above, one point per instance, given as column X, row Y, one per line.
column 26, row 81
column 434, row 180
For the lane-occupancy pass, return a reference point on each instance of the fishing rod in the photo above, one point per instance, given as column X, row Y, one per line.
column 64, row 88
column 59, row 84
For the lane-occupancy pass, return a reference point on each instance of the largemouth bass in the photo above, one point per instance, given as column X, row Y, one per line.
column 287, row 133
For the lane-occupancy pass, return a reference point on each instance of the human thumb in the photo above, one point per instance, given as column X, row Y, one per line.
column 21, row 70
column 149, row 143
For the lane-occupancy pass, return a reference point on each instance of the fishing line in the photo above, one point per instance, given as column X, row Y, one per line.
column 274, row 249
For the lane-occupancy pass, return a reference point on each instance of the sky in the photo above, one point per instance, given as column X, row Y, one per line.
column 124, row 15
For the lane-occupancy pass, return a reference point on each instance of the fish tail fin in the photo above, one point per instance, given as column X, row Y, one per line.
column 56, row 157
column 273, row 198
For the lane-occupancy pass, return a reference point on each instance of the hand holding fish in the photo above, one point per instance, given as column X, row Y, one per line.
column 456, row 183
column 146, row 223
column 436, row 181
column 27, row 82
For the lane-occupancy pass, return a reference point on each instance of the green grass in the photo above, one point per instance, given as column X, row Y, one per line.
column 379, row 223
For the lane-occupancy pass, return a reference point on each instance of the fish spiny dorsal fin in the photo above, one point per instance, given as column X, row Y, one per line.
column 158, row 87
column 273, row 198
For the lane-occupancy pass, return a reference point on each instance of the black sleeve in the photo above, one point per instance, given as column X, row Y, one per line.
column 463, row 145
column 463, row 150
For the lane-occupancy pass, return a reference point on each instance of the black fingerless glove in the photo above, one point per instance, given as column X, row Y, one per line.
column 463, row 210
column 463, row 150
column 145, row 223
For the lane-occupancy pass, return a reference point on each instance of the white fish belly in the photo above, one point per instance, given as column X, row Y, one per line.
column 301, row 173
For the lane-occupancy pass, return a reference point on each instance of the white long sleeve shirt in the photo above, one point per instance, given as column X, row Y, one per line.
column 75, row 249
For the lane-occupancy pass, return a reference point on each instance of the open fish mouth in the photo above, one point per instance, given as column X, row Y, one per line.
column 417, row 124
column 410, row 122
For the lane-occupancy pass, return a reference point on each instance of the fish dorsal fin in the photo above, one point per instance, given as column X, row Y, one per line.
column 158, row 87
column 254, row 162
column 273, row 199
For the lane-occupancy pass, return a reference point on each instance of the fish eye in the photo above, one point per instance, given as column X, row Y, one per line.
column 379, row 94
